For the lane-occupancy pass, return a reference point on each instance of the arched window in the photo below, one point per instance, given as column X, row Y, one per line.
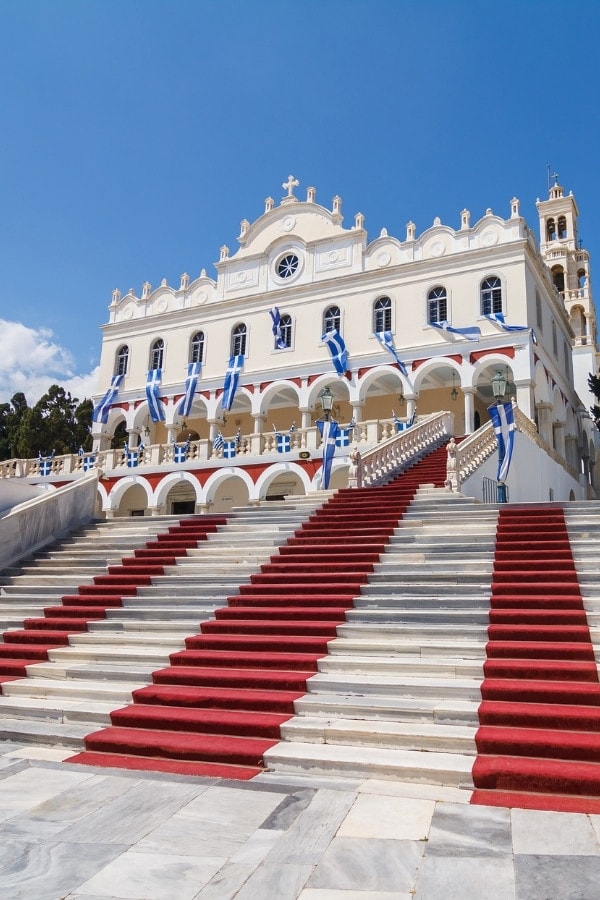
column 122, row 360
column 558, row 277
column 562, row 227
column 238, row 340
column 285, row 329
column 551, row 230
column 157, row 353
column 581, row 278
column 197, row 347
column 437, row 305
column 332, row 319
column 491, row 296
column 382, row 314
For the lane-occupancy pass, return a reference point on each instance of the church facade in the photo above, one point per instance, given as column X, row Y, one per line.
column 215, row 385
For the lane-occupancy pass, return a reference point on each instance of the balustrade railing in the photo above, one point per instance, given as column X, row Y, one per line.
column 388, row 456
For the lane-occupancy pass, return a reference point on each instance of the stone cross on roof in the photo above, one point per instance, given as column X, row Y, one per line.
column 289, row 186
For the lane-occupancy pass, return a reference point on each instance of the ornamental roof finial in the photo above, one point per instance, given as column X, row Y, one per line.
column 289, row 186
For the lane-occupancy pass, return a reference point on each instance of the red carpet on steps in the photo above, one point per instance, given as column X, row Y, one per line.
column 29, row 645
column 220, row 703
column 539, row 737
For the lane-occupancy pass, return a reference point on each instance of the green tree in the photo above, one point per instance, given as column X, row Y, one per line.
column 57, row 423
column 11, row 416
column 594, row 383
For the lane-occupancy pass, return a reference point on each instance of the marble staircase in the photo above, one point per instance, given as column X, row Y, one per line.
column 582, row 520
column 73, row 693
column 397, row 695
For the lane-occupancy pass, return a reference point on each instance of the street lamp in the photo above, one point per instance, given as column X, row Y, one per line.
column 499, row 383
column 326, row 398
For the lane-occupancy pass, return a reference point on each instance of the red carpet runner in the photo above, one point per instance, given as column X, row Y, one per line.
column 539, row 735
column 219, row 705
column 29, row 645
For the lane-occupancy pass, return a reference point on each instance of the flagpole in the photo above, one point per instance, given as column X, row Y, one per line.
column 499, row 389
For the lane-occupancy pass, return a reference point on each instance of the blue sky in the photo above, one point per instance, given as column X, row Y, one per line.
column 137, row 134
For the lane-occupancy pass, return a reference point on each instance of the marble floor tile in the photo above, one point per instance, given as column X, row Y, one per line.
column 52, row 754
column 471, row 831
column 288, row 810
column 201, row 839
column 257, row 847
column 49, row 870
column 557, row 877
column 227, row 882
column 414, row 789
column 553, row 834
column 141, row 807
column 226, row 805
column 368, row 865
column 275, row 881
column 308, row 838
column 468, row 878
column 318, row 894
column 29, row 787
column 393, row 818
column 140, row 876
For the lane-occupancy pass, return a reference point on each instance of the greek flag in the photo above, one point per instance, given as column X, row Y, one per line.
column 191, row 382
column 45, row 463
column 329, row 432
column 498, row 319
column 89, row 462
column 232, row 376
column 284, row 443
column 402, row 426
column 228, row 449
column 102, row 408
column 218, row 442
column 292, row 427
column 132, row 457
column 152, row 388
column 343, row 438
column 279, row 341
column 337, row 348
column 386, row 340
column 238, row 440
column 180, row 452
column 471, row 334
column 503, row 420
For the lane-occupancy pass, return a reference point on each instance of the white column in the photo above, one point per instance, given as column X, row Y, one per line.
column 469, row 405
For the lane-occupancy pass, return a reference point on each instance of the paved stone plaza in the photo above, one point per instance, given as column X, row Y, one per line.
column 72, row 832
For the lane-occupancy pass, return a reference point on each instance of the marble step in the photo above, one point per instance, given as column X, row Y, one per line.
column 400, row 666
column 377, row 600
column 399, row 644
column 93, row 712
column 156, row 657
column 45, row 733
column 396, row 686
column 417, row 736
column 419, row 633
column 435, row 710
column 368, row 762
column 97, row 688
column 416, row 616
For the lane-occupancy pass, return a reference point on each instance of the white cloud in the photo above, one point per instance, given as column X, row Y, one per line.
column 31, row 361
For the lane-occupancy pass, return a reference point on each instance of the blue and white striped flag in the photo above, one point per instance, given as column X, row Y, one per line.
column 191, row 382
column 232, row 376
column 89, row 462
column 152, row 388
column 329, row 432
column 180, row 452
column 498, row 319
column 503, row 420
column 218, row 442
column 343, row 438
column 337, row 348
column 238, row 440
column 471, row 334
column 284, row 443
column 279, row 341
column 386, row 340
column 102, row 408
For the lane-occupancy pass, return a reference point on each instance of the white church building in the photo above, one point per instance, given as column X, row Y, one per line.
column 428, row 322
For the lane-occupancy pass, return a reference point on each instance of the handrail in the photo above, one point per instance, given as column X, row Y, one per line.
column 390, row 455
